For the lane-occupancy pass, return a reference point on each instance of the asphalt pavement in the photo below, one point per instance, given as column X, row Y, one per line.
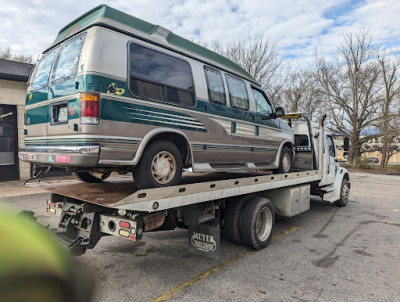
column 325, row 254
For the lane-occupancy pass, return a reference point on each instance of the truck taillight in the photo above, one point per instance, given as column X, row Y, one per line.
column 90, row 108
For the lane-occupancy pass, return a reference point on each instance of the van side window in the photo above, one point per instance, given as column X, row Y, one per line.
column 215, row 86
column 66, row 65
column 262, row 105
column 160, row 77
column 237, row 93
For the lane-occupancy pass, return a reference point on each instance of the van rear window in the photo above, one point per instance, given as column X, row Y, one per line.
column 160, row 77
column 40, row 77
column 66, row 66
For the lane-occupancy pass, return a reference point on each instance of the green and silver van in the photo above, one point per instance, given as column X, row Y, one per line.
column 116, row 93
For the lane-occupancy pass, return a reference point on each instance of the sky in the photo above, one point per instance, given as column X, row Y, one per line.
column 298, row 27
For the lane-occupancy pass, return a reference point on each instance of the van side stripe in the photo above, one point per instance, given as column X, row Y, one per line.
column 117, row 111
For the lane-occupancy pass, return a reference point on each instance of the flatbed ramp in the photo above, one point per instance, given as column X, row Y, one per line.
column 121, row 192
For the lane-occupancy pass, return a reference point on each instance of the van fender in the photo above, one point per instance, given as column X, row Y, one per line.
column 151, row 134
column 275, row 163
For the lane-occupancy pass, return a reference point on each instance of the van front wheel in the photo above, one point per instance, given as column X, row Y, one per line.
column 160, row 166
column 285, row 161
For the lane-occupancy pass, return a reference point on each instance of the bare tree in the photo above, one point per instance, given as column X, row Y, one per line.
column 259, row 56
column 389, row 124
column 301, row 93
column 6, row 54
column 349, row 84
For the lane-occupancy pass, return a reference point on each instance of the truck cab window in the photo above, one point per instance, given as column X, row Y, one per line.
column 331, row 146
column 237, row 93
column 262, row 105
column 301, row 140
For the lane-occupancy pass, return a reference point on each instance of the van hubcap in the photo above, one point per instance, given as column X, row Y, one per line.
column 163, row 167
column 286, row 162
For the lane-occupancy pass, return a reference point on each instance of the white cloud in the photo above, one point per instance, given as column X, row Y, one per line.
column 297, row 26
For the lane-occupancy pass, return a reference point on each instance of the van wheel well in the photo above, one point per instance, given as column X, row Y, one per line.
column 289, row 145
column 179, row 141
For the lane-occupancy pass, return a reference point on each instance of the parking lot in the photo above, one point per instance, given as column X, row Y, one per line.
column 325, row 254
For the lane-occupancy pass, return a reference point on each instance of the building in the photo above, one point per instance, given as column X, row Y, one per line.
column 370, row 149
column 13, row 84
column 373, row 148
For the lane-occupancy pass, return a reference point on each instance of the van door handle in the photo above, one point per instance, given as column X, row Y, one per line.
column 233, row 127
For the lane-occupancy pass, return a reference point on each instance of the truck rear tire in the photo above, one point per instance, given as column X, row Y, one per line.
column 233, row 210
column 285, row 161
column 160, row 166
column 344, row 194
column 257, row 223
column 87, row 177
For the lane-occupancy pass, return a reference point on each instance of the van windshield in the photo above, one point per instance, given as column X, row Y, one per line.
column 40, row 77
column 66, row 66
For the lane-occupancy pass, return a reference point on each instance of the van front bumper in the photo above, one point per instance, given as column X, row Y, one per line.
column 74, row 156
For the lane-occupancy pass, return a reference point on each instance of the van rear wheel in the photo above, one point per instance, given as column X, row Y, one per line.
column 160, row 166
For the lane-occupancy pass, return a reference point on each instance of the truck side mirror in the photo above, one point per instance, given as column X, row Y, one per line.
column 279, row 112
column 346, row 142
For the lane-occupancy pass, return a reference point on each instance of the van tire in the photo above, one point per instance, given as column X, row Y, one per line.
column 257, row 223
column 233, row 210
column 87, row 177
column 285, row 161
column 160, row 166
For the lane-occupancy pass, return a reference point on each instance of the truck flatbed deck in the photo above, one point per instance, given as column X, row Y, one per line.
column 121, row 192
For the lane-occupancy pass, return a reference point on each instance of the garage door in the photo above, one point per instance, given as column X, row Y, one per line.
column 8, row 143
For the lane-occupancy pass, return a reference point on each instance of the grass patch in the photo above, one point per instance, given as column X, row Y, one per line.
column 372, row 168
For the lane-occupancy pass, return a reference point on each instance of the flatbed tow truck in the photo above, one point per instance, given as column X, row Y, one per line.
column 244, row 205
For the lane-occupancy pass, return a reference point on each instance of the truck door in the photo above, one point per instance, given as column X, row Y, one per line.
column 332, row 160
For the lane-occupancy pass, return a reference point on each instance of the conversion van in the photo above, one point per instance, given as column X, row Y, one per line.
column 116, row 93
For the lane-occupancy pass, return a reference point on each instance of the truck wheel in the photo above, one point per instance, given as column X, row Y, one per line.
column 87, row 177
column 285, row 161
column 344, row 194
column 257, row 223
column 233, row 210
column 160, row 166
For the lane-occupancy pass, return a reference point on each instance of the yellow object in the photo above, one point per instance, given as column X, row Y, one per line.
column 113, row 89
column 34, row 267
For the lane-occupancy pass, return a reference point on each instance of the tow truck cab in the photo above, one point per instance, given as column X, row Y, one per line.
column 306, row 154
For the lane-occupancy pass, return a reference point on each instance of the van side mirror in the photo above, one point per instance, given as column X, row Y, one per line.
column 279, row 112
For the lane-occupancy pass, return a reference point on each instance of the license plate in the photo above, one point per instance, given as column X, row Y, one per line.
column 62, row 114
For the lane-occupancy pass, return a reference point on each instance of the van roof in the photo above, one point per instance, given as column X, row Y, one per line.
column 106, row 15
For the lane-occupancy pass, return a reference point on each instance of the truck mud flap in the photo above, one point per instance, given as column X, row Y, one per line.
column 204, row 239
